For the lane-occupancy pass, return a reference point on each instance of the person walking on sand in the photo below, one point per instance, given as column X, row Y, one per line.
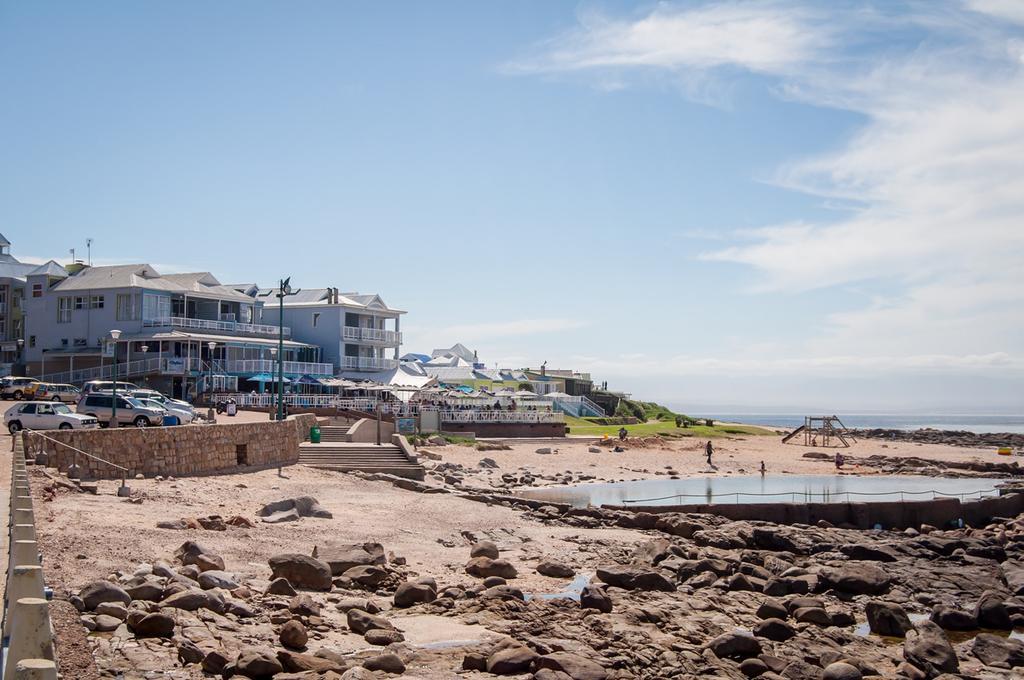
column 622, row 434
column 763, row 469
column 708, row 449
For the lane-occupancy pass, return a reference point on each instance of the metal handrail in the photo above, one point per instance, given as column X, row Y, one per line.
column 74, row 459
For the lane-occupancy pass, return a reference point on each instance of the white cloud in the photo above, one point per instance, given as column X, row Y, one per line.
column 932, row 184
column 759, row 37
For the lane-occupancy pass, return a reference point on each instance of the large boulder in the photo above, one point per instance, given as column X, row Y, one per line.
column 555, row 569
column 950, row 618
column 360, row 621
column 887, row 618
column 303, row 506
column 576, row 667
column 735, row 645
column 991, row 611
column 216, row 578
column 1013, row 574
column 409, row 594
column 366, row 575
column 511, row 660
column 483, row 567
column 388, row 663
column 594, row 597
column 157, row 624
column 194, row 599
column 98, row 592
column 995, row 650
column 869, row 553
column 293, row 634
column 191, row 552
column 484, row 549
column 343, row 556
column 855, row 579
column 258, row 664
column 840, row 670
column 302, row 571
column 632, row 578
column 928, row 650
column 774, row 629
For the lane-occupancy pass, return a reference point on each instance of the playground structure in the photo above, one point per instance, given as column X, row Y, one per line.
column 822, row 431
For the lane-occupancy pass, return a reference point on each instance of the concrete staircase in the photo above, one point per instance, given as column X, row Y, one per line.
column 348, row 457
column 334, row 433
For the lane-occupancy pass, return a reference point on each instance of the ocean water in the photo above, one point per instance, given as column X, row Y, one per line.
column 969, row 423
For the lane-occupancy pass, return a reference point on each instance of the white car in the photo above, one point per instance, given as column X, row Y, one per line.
column 46, row 415
column 183, row 416
column 182, row 410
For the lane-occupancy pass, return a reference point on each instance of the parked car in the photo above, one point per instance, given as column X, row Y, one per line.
column 14, row 388
column 45, row 415
column 181, row 416
column 54, row 392
column 107, row 385
column 178, row 416
column 129, row 411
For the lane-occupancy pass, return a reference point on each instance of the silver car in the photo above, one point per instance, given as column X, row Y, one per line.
column 100, row 405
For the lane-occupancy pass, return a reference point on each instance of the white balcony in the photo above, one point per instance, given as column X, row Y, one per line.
column 255, row 366
column 368, row 364
column 217, row 326
column 372, row 336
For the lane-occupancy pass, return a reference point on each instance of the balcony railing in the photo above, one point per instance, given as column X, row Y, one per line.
column 374, row 336
column 368, row 363
column 218, row 326
column 253, row 366
column 473, row 416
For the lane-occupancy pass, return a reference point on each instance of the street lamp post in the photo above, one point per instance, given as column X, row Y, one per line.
column 114, row 335
column 284, row 289
column 145, row 349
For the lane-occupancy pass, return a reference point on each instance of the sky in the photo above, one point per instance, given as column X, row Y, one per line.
column 756, row 206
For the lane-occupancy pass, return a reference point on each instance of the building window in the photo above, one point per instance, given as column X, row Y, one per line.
column 63, row 342
column 316, row 318
column 37, row 290
column 63, row 310
column 155, row 307
column 96, row 302
column 126, row 307
column 80, row 342
column 31, row 341
column 80, row 303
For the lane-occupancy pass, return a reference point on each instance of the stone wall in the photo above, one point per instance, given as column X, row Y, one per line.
column 178, row 451
column 939, row 512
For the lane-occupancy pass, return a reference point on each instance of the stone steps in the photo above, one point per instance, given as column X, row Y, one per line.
column 386, row 458
column 334, row 433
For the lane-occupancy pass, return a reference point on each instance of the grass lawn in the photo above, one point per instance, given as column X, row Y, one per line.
column 578, row 426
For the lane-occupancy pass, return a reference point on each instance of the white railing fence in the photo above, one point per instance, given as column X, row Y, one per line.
column 371, row 335
column 28, row 650
column 223, row 326
column 368, row 363
column 501, row 417
column 270, row 366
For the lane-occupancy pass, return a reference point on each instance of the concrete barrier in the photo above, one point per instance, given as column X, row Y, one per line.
column 35, row 669
column 31, row 634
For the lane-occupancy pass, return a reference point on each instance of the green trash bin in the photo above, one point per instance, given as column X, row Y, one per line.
column 314, row 434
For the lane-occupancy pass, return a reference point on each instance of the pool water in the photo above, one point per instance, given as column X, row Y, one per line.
column 768, row 489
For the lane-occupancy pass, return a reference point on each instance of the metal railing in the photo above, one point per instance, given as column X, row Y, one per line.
column 374, row 335
column 215, row 325
column 75, row 452
column 474, row 416
column 269, row 366
column 28, row 649
column 125, row 369
column 368, row 363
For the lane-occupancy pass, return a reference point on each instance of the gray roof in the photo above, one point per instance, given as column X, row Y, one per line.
column 51, row 268
column 13, row 269
column 320, row 296
column 144, row 276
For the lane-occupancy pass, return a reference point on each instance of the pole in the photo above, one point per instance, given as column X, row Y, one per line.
column 378, row 423
column 280, row 352
column 113, row 404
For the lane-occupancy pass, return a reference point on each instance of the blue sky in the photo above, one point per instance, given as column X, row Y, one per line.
column 773, row 204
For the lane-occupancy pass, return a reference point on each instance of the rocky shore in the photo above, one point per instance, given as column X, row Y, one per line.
column 947, row 437
column 692, row 596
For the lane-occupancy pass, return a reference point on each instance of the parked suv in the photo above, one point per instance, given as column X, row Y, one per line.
column 52, row 392
column 100, row 405
column 14, row 388
column 107, row 386
column 45, row 415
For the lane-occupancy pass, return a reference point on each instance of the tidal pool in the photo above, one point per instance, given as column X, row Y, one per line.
column 768, row 489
